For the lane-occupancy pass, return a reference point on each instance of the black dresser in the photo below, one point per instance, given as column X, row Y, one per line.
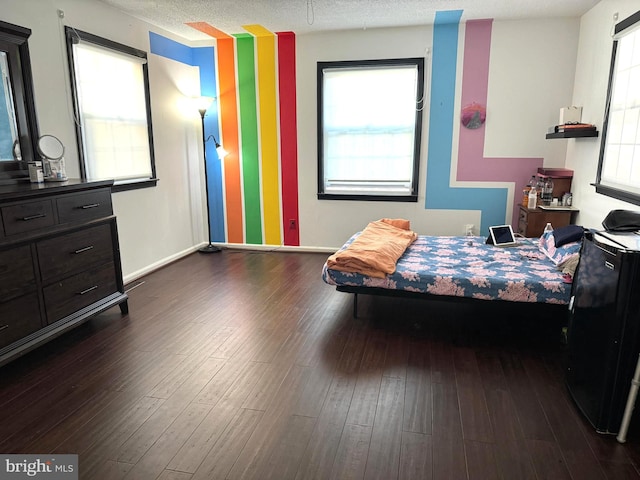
column 59, row 261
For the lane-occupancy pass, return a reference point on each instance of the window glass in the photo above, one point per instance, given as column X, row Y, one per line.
column 619, row 166
column 369, row 129
column 112, row 107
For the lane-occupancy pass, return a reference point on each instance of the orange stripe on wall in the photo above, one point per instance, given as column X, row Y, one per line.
column 204, row 27
column 227, row 99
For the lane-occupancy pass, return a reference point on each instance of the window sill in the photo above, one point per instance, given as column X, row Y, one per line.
column 134, row 185
column 618, row 194
column 369, row 198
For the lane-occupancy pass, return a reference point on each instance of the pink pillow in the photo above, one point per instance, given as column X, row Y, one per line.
column 398, row 223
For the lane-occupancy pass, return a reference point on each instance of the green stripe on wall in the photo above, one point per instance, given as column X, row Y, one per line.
column 249, row 135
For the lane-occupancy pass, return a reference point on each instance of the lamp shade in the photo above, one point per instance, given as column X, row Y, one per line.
column 203, row 103
column 221, row 151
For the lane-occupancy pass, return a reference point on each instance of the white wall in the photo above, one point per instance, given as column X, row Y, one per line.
column 155, row 224
column 531, row 75
column 592, row 75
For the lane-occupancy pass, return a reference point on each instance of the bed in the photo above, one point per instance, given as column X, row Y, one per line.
column 451, row 267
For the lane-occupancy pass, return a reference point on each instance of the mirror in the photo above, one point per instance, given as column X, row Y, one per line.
column 8, row 127
column 52, row 151
column 50, row 147
column 18, row 123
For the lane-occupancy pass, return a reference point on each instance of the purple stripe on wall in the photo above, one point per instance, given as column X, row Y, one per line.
column 472, row 165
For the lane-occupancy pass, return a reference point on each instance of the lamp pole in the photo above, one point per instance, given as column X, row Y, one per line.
column 210, row 248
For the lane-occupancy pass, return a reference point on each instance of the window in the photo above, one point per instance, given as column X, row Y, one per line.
column 619, row 166
column 369, row 125
column 110, row 86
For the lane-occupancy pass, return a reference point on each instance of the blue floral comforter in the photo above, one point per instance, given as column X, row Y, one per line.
column 467, row 267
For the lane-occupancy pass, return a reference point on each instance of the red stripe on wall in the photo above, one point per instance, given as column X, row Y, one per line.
column 288, row 136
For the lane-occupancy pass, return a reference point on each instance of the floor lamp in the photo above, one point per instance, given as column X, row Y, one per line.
column 203, row 105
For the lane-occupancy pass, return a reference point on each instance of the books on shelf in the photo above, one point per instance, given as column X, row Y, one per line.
column 572, row 127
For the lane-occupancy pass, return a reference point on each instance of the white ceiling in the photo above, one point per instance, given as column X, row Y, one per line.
column 306, row 16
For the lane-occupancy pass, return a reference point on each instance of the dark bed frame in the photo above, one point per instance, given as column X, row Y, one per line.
column 551, row 308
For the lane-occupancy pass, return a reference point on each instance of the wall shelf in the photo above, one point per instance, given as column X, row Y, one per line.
column 574, row 134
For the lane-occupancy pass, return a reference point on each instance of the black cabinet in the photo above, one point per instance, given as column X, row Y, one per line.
column 59, row 261
column 604, row 327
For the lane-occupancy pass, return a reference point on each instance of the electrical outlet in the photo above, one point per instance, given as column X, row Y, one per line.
column 468, row 229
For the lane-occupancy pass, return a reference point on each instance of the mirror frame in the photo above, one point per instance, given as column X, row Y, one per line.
column 14, row 42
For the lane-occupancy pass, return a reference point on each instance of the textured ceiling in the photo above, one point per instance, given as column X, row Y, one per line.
column 306, row 16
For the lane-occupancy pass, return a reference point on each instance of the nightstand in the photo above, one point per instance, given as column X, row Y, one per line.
column 531, row 221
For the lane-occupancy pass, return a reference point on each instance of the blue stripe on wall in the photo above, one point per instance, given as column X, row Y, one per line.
column 204, row 59
column 491, row 202
column 167, row 48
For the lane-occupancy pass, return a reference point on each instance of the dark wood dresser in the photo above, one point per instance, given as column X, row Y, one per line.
column 59, row 261
column 531, row 222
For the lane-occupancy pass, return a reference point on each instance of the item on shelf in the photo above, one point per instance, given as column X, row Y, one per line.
column 573, row 127
column 547, row 191
column 570, row 115
column 533, row 198
column 525, row 196
column 36, row 174
column 51, row 150
column 527, row 189
column 561, row 178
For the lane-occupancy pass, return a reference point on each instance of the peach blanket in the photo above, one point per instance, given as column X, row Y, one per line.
column 376, row 250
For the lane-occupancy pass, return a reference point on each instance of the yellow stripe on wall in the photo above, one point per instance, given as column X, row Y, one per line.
column 268, row 122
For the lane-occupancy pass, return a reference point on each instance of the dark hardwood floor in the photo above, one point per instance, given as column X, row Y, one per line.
column 246, row 365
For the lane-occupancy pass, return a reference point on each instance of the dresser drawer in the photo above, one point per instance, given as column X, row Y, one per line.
column 74, row 293
column 16, row 272
column 26, row 217
column 524, row 215
column 71, row 253
column 18, row 318
column 83, row 207
column 522, row 227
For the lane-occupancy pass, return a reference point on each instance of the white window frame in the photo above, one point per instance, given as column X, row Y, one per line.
column 113, row 143
column 619, row 163
column 348, row 141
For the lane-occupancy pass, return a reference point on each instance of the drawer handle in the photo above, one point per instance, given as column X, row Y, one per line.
column 33, row 217
column 90, row 289
column 85, row 249
column 4, row 327
column 91, row 205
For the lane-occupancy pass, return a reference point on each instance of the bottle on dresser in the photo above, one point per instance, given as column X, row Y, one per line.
column 527, row 189
column 533, row 198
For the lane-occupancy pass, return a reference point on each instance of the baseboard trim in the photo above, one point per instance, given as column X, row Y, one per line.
column 225, row 246
column 159, row 264
column 276, row 248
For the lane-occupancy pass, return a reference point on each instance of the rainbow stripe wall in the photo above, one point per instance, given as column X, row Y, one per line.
column 253, row 191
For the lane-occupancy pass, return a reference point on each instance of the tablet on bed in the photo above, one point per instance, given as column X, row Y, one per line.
column 502, row 236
